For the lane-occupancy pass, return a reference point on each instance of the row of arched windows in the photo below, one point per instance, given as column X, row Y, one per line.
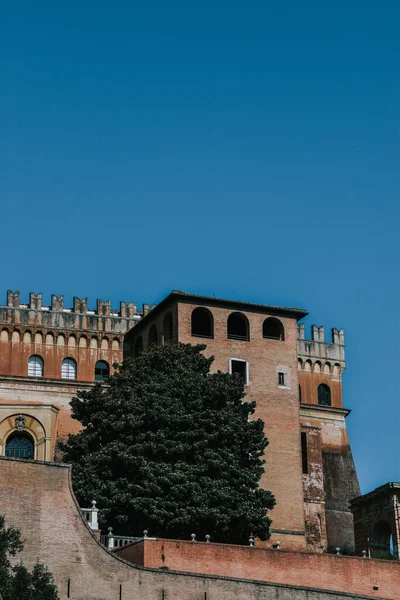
column 238, row 327
column 60, row 340
column 324, row 395
column 68, row 368
column 317, row 367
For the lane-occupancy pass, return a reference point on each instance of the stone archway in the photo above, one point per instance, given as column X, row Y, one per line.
column 19, row 424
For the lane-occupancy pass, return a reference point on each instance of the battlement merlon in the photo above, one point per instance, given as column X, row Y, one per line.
column 127, row 310
column 317, row 349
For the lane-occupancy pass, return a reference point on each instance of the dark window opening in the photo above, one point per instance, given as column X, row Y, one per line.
column 101, row 370
column 281, row 378
column 240, row 368
column 153, row 335
column 138, row 346
column 273, row 329
column 238, row 327
column 20, row 445
column 167, row 327
column 202, row 323
column 300, row 393
column 304, row 456
column 324, row 395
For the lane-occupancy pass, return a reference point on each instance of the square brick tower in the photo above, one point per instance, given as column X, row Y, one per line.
column 309, row 467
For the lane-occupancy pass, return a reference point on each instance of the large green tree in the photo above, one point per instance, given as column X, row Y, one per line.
column 16, row 582
column 169, row 446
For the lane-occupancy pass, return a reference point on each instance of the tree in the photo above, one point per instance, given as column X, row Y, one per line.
column 17, row 583
column 168, row 446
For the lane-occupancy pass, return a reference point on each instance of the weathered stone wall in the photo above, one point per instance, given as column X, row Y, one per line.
column 37, row 498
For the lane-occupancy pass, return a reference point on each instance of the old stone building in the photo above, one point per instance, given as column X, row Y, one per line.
column 47, row 353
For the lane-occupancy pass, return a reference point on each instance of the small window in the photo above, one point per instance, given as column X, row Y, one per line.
column 68, row 369
column 20, row 445
column 281, row 378
column 238, row 327
column 304, row 452
column 101, row 370
column 35, row 366
column 240, row 367
column 202, row 323
column 273, row 329
column 324, row 395
column 300, row 400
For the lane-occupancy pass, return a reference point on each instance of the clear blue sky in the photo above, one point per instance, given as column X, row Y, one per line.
column 249, row 150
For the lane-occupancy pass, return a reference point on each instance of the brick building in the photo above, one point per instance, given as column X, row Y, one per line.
column 47, row 353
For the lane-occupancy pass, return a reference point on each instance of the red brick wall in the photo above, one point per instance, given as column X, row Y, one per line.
column 37, row 498
column 331, row 572
column 279, row 408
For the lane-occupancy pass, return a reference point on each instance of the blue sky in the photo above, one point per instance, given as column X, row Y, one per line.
column 249, row 150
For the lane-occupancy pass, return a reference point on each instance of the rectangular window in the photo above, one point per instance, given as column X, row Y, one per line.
column 241, row 367
column 304, row 456
column 281, row 378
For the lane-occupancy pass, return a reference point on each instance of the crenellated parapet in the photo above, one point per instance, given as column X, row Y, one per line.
column 56, row 316
column 318, row 355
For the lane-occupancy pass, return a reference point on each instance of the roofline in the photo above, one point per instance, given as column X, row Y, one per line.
column 376, row 492
column 299, row 313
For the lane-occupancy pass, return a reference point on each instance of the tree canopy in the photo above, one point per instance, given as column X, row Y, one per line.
column 168, row 446
column 17, row 583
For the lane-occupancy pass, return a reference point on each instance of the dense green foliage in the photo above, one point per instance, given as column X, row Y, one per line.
column 17, row 583
column 169, row 447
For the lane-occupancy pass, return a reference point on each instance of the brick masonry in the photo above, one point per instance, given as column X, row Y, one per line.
column 37, row 497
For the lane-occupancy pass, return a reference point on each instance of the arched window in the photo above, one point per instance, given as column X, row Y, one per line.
column 381, row 540
column 35, row 366
column 324, row 395
column 273, row 329
column 138, row 346
column 68, row 369
column 202, row 323
column 167, row 327
column 238, row 327
column 101, row 370
column 153, row 335
column 20, row 445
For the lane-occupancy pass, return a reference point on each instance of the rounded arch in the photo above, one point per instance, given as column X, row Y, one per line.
column 138, row 346
column 49, row 339
column 336, row 370
column 202, row 322
column 307, row 365
column 38, row 337
column 35, row 366
column 20, row 444
column 83, row 341
column 299, row 364
column 15, row 336
column 61, row 340
column 167, row 327
column 238, row 327
column 4, row 335
column 327, row 368
column 317, row 367
column 27, row 339
column 68, row 368
column 115, row 344
column 153, row 335
column 381, row 539
column 101, row 370
column 324, row 395
column 72, row 341
column 24, row 423
column 273, row 329
column 94, row 342
column 104, row 343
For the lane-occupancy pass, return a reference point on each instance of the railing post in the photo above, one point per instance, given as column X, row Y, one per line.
column 93, row 522
column 110, row 539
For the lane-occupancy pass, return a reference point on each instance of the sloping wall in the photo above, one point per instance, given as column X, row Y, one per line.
column 37, row 498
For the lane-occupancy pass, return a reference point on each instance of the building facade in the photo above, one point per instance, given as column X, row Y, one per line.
column 47, row 353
